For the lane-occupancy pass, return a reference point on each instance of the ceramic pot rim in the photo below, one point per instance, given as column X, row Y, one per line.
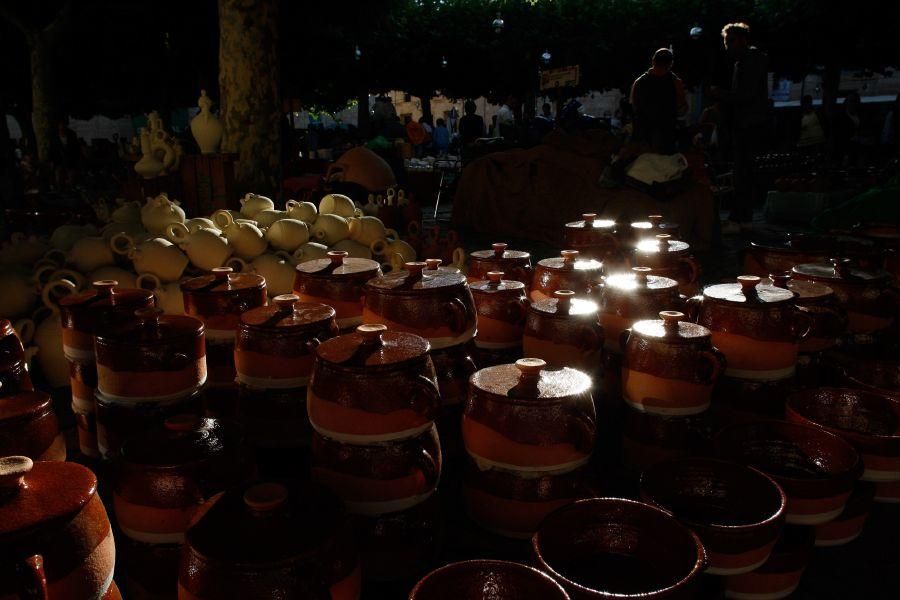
column 801, row 395
column 514, row 566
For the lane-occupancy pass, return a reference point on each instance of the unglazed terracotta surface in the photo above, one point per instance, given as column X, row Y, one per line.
column 501, row 305
column 595, row 238
column 564, row 331
column 630, row 296
column 339, row 282
column 567, row 272
column 515, row 264
column 29, row 427
column 670, row 258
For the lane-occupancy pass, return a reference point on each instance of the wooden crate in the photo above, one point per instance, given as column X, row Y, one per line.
column 207, row 182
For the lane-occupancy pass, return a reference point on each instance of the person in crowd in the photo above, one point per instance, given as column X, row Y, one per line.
column 441, row 138
column 544, row 122
column 849, row 132
column 425, row 122
column 506, row 118
column 495, row 130
column 658, row 99
column 890, row 132
column 471, row 125
column 812, row 135
column 748, row 102
column 415, row 133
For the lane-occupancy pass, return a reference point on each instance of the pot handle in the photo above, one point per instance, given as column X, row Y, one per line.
column 238, row 265
column 286, row 256
column 378, row 247
column 311, row 345
column 802, row 323
column 74, row 276
column 62, row 284
column 42, row 275
column 157, row 284
column 223, row 219
column 431, row 389
column 717, row 361
column 55, row 255
column 692, row 308
column 25, row 330
column 290, row 204
column 693, row 267
column 122, row 244
column 623, row 339
column 459, row 258
column 414, row 228
column 177, row 233
column 458, row 314
column 391, row 235
column 32, row 579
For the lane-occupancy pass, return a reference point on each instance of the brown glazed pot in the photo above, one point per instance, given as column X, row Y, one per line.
column 338, row 281
column 276, row 344
column 829, row 320
column 872, row 373
column 564, row 331
column 626, row 298
column 29, row 427
column 757, row 327
column 864, row 295
column 56, row 542
column 270, row 540
column 166, row 474
column 774, row 256
column 816, row 469
column 436, row 305
column 641, row 230
column 669, row 258
column 274, row 418
column 373, row 386
column 154, row 356
column 670, row 366
column 849, row 524
column 475, row 578
column 779, row 576
column 611, row 548
column 567, row 272
column 737, row 511
column 515, row 264
column 501, row 305
column 14, row 375
column 869, row 421
column 595, row 238
column 649, row 439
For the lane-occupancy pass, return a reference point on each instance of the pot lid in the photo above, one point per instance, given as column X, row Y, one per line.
column 653, row 222
column 222, row 280
column 434, row 264
column 287, row 314
column 671, row 327
column 564, row 304
column 529, row 379
column 151, row 326
column 662, row 244
column 638, row 281
column 747, row 290
column 181, row 440
column 106, row 293
column 24, row 406
column 805, row 290
column 496, row 284
column 499, row 251
column 798, row 242
column 568, row 261
column 39, row 496
column 840, row 269
column 414, row 279
column 267, row 524
column 590, row 221
column 338, row 264
column 372, row 346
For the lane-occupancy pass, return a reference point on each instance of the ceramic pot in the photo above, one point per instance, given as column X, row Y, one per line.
column 469, row 579
column 302, row 211
column 515, row 264
column 65, row 236
column 501, row 306
column 829, row 320
column 251, row 204
column 649, row 439
column 135, row 230
column 200, row 223
column 19, row 294
column 373, row 386
column 330, row 229
column 669, row 258
column 168, row 295
column 48, row 337
column 363, row 167
column 737, row 511
column 641, row 230
column 206, row 127
column 269, row 216
column 614, row 548
column 56, row 541
column 757, row 327
column 394, row 251
column 156, row 255
column 879, row 375
column 126, row 279
column 277, row 268
column 817, row 470
column 90, row 253
column 564, row 331
column 367, row 230
column 127, row 212
column 779, row 576
column 337, row 204
column 773, row 256
column 310, row 251
column 287, row 234
column 275, row 344
column 670, row 366
column 29, row 427
column 165, row 475
column 849, row 524
column 274, row 418
column 159, row 212
column 338, row 281
column 437, row 305
column 353, row 249
column 869, row 421
column 14, row 375
column 864, row 295
column 270, row 540
column 205, row 248
column 245, row 237
column 568, row 272
column 453, row 366
column 595, row 238
column 22, row 249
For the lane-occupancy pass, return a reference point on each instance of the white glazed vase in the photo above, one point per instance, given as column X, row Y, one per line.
column 205, row 248
column 206, row 127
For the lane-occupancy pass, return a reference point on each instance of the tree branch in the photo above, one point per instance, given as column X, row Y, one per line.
column 16, row 21
column 62, row 19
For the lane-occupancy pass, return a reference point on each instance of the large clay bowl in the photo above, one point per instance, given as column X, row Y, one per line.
column 486, row 580
column 780, row 575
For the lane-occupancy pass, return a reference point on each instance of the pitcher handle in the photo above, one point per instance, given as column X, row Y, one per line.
column 177, row 233
column 239, row 265
column 157, row 284
column 25, row 329
column 32, row 582
column 115, row 242
column 46, row 293
column 223, row 219
column 716, row 359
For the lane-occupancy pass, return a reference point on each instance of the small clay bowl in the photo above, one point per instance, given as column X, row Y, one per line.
column 869, row 421
column 737, row 511
column 849, row 524
column 816, row 469
column 615, row 548
column 487, row 579
column 780, row 575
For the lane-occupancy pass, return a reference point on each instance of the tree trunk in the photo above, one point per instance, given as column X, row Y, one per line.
column 249, row 91
column 44, row 112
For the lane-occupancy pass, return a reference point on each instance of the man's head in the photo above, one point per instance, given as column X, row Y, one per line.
column 662, row 60
column 546, row 109
column 470, row 107
column 736, row 37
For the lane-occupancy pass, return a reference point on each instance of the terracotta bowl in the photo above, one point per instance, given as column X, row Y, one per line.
column 869, row 421
column 871, row 373
column 780, row 575
column 478, row 579
column 816, row 469
column 615, row 548
column 737, row 511
column 849, row 524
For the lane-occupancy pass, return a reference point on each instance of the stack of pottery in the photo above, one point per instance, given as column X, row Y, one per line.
column 14, row 375
column 339, row 282
column 529, row 432
column 502, row 306
column 372, row 402
column 29, row 427
column 595, row 238
column 148, row 368
column 669, row 258
column 641, row 230
column 564, row 331
column 472, row 579
column 218, row 300
column 515, row 264
column 273, row 356
column 773, row 256
column 569, row 271
column 82, row 316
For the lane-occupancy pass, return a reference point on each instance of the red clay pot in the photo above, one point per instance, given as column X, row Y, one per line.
column 817, row 470
column 14, row 375
column 55, row 538
column 274, row 418
column 829, row 320
column 609, row 548
column 475, row 578
column 339, row 282
column 669, row 258
column 773, row 256
column 29, row 427
column 641, row 230
column 757, row 327
column 515, row 264
column 270, row 540
column 780, row 575
column 584, row 276
column 737, row 511
column 501, row 305
column 670, row 366
column 849, row 524
column 626, row 298
column 649, row 439
column 595, row 238
column 564, row 331
column 872, row 373
column 276, row 344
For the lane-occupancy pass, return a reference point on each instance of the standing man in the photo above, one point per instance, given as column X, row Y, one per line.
column 748, row 101
column 658, row 99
